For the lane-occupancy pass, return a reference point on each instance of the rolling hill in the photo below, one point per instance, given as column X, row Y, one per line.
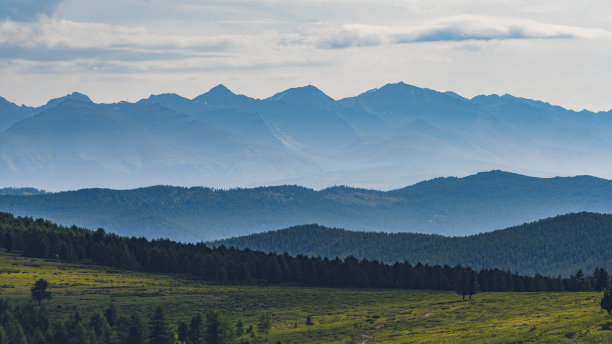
column 450, row 206
column 559, row 245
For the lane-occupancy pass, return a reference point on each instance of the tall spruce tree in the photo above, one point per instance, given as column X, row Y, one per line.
column 160, row 332
column 606, row 301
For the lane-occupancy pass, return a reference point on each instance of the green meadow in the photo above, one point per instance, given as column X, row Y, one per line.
column 339, row 315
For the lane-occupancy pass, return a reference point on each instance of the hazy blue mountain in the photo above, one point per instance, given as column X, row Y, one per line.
column 559, row 245
column 130, row 144
column 11, row 113
column 20, row 191
column 385, row 138
column 221, row 96
column 450, row 206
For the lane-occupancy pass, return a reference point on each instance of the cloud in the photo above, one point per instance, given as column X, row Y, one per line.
column 456, row 28
column 51, row 39
column 26, row 10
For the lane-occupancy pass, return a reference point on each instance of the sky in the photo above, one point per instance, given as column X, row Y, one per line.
column 112, row 50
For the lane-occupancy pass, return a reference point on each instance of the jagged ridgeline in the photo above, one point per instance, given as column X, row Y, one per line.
column 40, row 238
column 386, row 138
column 559, row 245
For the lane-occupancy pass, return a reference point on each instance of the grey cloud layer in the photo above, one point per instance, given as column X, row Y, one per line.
column 459, row 28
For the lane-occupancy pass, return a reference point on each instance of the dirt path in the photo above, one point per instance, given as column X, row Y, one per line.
column 366, row 336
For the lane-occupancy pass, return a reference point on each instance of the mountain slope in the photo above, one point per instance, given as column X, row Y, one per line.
column 127, row 144
column 450, row 206
column 559, row 245
column 385, row 138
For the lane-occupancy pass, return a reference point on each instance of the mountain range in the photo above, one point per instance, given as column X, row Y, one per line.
column 451, row 206
column 384, row 138
column 553, row 246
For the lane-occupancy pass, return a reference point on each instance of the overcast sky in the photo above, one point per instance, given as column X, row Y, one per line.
column 558, row 51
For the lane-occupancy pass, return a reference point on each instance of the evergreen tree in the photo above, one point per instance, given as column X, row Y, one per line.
column 39, row 291
column 183, row 331
column 308, row 322
column 111, row 314
column 263, row 323
column 472, row 283
column 136, row 330
column 600, row 279
column 239, row 328
column 196, row 329
column 218, row 329
column 606, row 301
column 100, row 327
column 159, row 331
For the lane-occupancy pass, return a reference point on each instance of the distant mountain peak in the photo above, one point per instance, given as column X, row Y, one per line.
column 221, row 96
column 302, row 95
column 220, row 89
column 75, row 96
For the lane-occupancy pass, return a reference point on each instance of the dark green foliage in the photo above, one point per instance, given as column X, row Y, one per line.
column 218, row 329
column 111, row 314
column 264, row 323
column 452, row 206
column 133, row 329
column 39, row 291
column 100, row 327
column 233, row 266
column 159, row 330
column 239, row 328
column 606, row 301
column 182, row 331
column 559, row 245
column 23, row 325
column 196, row 329
column 600, row 279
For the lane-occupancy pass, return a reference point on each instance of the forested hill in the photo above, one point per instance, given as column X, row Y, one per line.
column 450, row 206
column 43, row 239
column 558, row 245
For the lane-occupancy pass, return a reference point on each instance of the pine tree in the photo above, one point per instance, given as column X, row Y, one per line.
column 196, row 329
column 472, row 283
column 239, row 328
column 606, row 301
column 263, row 324
column 111, row 314
column 160, row 332
column 308, row 322
column 218, row 329
column 183, row 331
column 136, row 330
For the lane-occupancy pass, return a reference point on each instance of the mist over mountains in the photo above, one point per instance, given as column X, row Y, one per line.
column 451, row 206
column 385, row 138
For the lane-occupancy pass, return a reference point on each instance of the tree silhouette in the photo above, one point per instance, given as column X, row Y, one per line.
column 606, row 301
column 308, row 322
column 160, row 332
column 218, row 329
column 39, row 291
column 263, row 325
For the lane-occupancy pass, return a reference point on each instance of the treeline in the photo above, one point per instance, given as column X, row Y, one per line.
column 43, row 239
column 450, row 206
column 558, row 245
column 31, row 325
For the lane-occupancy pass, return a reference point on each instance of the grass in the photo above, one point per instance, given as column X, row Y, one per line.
column 339, row 315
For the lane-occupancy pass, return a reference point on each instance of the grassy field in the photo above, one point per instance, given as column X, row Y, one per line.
column 339, row 315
